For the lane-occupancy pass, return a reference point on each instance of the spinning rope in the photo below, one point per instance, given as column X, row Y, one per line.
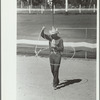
column 38, row 51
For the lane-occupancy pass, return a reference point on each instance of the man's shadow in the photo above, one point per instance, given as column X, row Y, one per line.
column 68, row 82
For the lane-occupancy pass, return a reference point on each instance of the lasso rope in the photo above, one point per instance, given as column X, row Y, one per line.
column 37, row 52
column 41, row 30
column 73, row 52
column 52, row 13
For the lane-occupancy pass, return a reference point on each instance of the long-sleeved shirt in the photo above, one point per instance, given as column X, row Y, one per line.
column 59, row 47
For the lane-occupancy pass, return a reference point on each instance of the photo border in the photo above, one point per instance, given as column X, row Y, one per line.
column 8, row 50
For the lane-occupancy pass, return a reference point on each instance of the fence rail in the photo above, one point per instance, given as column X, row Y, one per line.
column 42, row 10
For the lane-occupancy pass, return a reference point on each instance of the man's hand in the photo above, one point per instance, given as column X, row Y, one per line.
column 53, row 43
column 43, row 27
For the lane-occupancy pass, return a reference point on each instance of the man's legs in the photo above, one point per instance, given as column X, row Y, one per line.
column 52, row 63
column 56, row 75
column 55, row 60
column 52, row 69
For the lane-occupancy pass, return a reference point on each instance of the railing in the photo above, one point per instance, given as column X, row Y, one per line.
column 73, row 37
column 42, row 10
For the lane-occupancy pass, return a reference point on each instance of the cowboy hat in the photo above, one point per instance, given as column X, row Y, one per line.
column 53, row 31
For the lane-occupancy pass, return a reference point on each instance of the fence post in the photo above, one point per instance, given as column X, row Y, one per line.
column 54, row 9
column 45, row 4
column 66, row 6
column 85, row 40
column 42, row 9
column 80, row 8
column 29, row 9
column 21, row 4
column 94, row 8
column 85, row 54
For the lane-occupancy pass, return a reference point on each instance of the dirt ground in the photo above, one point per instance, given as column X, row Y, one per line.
column 77, row 76
column 34, row 79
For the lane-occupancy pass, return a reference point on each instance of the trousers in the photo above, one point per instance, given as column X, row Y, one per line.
column 55, row 60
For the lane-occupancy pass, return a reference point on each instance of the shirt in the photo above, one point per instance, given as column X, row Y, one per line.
column 58, row 43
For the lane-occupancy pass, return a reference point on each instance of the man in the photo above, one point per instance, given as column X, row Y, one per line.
column 56, row 48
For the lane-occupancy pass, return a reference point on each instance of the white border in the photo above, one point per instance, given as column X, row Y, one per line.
column 97, row 69
column 8, row 49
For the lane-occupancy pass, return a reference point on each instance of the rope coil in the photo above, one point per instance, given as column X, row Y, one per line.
column 37, row 52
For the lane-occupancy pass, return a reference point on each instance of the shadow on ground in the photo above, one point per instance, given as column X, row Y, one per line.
column 68, row 82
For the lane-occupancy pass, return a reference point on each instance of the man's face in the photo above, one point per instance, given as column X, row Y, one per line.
column 54, row 36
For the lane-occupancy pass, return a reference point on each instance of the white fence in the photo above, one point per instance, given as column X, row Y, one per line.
column 76, row 37
column 55, row 10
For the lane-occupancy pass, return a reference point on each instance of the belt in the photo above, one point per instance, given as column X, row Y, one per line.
column 54, row 52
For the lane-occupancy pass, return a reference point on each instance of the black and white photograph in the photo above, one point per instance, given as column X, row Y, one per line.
column 56, row 50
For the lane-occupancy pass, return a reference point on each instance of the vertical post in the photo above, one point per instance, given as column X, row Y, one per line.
column 85, row 54
column 28, row 3
column 29, row 8
column 54, row 9
column 90, row 3
column 42, row 9
column 66, row 5
column 51, row 5
column 52, row 12
column 31, row 4
column 80, row 8
column 21, row 4
column 94, row 8
column 85, row 41
column 45, row 4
